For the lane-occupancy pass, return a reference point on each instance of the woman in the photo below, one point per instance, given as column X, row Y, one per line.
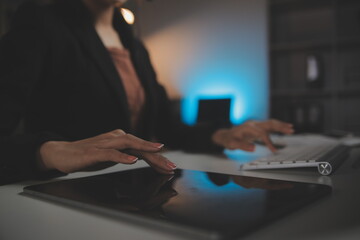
column 72, row 70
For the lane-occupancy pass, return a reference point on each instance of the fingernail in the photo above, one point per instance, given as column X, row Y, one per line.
column 133, row 159
column 171, row 165
column 158, row 145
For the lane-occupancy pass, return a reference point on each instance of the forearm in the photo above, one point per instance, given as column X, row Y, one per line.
column 19, row 157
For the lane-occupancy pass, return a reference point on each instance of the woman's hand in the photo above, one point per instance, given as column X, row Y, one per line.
column 113, row 147
column 244, row 135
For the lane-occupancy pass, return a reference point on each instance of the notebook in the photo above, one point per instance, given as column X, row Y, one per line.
column 196, row 204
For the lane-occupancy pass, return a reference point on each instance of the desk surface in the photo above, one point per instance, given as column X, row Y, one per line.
column 23, row 217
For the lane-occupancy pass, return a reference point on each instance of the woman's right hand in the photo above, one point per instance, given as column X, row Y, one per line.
column 114, row 146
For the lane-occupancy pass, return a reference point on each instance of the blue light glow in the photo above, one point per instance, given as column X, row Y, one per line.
column 197, row 178
column 245, row 86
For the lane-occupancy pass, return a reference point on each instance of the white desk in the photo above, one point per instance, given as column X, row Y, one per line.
column 334, row 217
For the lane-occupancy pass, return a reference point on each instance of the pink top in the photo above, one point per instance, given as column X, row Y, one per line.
column 134, row 91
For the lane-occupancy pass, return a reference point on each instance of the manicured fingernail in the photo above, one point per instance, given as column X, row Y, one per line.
column 158, row 145
column 133, row 159
column 171, row 165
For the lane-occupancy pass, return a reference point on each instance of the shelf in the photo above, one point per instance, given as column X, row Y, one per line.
column 303, row 45
column 316, row 44
column 315, row 93
column 294, row 93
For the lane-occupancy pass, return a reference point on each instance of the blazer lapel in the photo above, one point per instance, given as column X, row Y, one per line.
column 84, row 30
column 150, row 107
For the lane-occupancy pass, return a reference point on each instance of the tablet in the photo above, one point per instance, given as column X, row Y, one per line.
column 193, row 203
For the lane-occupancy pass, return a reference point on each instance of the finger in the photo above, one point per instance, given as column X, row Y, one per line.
column 129, row 141
column 282, row 127
column 259, row 133
column 247, row 133
column 160, row 170
column 157, row 161
column 112, row 155
column 266, row 139
column 274, row 125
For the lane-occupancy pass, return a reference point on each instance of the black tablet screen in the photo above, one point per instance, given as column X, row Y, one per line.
column 218, row 204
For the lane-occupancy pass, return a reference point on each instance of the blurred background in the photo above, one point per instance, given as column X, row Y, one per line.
column 235, row 60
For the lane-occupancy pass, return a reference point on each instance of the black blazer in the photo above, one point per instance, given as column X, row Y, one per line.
column 58, row 79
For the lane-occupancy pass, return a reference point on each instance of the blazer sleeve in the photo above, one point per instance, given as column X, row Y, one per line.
column 23, row 53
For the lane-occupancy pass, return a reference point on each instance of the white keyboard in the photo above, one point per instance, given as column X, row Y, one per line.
column 303, row 151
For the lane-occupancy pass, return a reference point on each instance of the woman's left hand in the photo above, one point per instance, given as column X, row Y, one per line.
column 244, row 135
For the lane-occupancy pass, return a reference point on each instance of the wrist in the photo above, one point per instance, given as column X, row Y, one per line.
column 44, row 153
column 219, row 135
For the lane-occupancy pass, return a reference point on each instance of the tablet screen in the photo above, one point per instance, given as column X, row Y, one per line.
column 193, row 202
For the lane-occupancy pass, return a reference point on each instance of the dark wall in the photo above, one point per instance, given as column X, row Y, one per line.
column 315, row 63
